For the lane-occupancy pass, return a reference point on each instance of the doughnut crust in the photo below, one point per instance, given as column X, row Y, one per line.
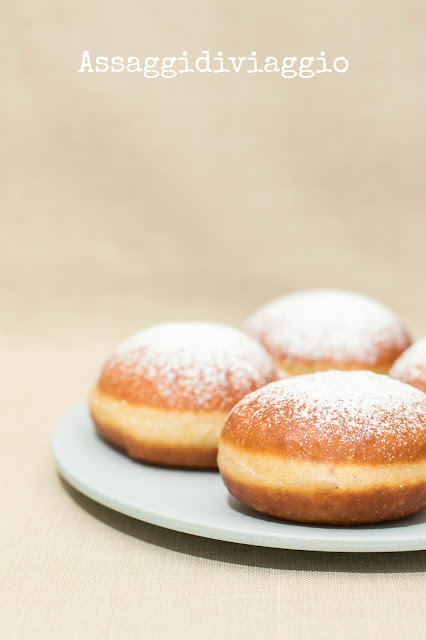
column 411, row 366
column 323, row 329
column 332, row 447
column 164, row 394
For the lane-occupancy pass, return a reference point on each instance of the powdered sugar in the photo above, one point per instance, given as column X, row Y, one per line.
column 202, row 361
column 327, row 324
column 337, row 410
column 412, row 363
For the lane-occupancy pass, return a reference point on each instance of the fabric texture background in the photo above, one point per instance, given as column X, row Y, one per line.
column 128, row 201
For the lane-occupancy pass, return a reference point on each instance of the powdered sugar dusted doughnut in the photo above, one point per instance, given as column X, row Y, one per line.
column 336, row 447
column 411, row 366
column 322, row 329
column 164, row 394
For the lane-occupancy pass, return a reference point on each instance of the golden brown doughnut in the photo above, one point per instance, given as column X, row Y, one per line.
column 335, row 447
column 164, row 394
column 322, row 329
column 411, row 366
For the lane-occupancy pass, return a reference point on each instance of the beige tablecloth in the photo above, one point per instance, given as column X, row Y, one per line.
column 127, row 201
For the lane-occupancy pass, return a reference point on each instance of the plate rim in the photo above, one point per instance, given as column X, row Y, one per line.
column 229, row 534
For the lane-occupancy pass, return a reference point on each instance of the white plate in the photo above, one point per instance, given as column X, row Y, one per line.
column 197, row 502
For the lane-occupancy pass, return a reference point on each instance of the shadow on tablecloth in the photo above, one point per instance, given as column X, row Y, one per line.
column 279, row 559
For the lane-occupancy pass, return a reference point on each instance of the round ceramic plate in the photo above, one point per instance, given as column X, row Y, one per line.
column 197, row 502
